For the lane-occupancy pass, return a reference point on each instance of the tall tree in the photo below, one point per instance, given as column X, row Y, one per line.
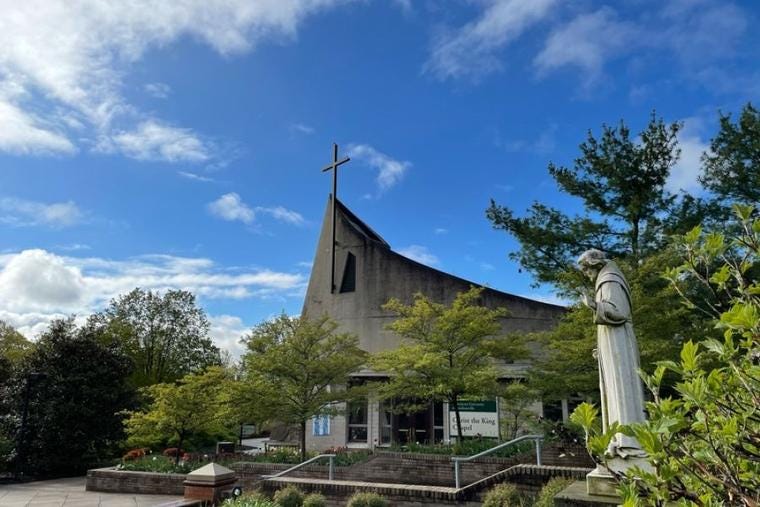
column 13, row 345
column 196, row 404
column 74, row 417
column 167, row 336
column 449, row 351
column 732, row 166
column 620, row 180
column 297, row 368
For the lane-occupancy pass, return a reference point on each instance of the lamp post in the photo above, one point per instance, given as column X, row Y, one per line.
column 31, row 377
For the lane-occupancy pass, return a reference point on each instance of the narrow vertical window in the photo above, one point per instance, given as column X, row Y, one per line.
column 348, row 283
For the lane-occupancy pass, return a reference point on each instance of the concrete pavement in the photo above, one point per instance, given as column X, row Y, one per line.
column 70, row 492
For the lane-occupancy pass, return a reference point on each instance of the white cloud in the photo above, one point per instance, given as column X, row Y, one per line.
column 585, row 42
column 22, row 134
column 195, row 177
column 37, row 286
column 74, row 55
column 283, row 214
column 683, row 176
column 158, row 90
column 153, row 141
column 22, row 213
column 420, row 254
column 231, row 207
column 390, row 170
column 302, row 128
column 696, row 39
column 226, row 331
column 487, row 266
column 472, row 50
column 441, row 230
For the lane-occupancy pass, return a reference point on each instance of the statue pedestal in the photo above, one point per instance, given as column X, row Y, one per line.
column 601, row 482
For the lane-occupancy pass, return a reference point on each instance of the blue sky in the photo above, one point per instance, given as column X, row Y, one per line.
column 179, row 144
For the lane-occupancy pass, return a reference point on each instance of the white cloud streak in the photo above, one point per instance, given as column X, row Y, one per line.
column 390, row 170
column 420, row 254
column 154, row 141
column 472, row 51
column 586, row 42
column 23, row 213
column 231, row 207
column 158, row 90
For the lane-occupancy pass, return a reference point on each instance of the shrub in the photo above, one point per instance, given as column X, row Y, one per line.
column 503, row 495
column 550, row 490
column 315, row 500
column 250, row 500
column 172, row 452
column 367, row 500
column 289, row 496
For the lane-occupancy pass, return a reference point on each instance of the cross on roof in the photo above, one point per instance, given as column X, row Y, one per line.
column 334, row 168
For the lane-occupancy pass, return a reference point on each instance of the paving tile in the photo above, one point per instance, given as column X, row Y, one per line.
column 82, row 502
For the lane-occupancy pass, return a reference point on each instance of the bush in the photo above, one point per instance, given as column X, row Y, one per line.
column 550, row 490
column 315, row 500
column 250, row 500
column 289, row 496
column 503, row 495
column 367, row 500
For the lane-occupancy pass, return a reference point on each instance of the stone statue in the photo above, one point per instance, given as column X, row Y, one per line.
column 617, row 351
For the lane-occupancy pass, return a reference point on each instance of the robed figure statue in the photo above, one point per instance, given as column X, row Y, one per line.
column 617, row 351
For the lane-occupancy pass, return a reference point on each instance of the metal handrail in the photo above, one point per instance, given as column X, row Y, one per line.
column 458, row 459
column 315, row 458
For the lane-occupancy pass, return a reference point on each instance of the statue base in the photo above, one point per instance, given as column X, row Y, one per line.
column 601, row 481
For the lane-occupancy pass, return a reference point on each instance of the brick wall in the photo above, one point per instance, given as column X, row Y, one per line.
column 382, row 467
column 120, row 481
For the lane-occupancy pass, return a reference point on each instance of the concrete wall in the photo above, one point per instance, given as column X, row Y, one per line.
column 382, row 274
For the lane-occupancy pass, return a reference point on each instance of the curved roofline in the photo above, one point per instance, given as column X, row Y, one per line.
column 365, row 230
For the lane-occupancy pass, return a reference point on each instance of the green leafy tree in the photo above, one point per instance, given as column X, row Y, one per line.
column 449, row 351
column 516, row 401
column 74, row 410
column 13, row 345
column 731, row 169
column 295, row 368
column 703, row 441
column 167, row 336
column 194, row 405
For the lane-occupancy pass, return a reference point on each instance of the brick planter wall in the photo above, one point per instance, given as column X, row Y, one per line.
column 119, row 481
column 382, row 467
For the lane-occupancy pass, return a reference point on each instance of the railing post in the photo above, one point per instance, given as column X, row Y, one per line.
column 538, row 451
column 456, row 473
column 331, row 473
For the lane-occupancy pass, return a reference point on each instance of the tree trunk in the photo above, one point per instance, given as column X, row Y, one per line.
column 454, row 402
column 303, row 440
column 179, row 448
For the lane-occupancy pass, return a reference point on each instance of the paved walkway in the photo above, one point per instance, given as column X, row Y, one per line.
column 70, row 493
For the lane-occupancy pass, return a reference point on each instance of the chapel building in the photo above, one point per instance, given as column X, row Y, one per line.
column 367, row 274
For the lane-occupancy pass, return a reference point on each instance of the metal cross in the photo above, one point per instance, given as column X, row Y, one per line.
column 334, row 197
